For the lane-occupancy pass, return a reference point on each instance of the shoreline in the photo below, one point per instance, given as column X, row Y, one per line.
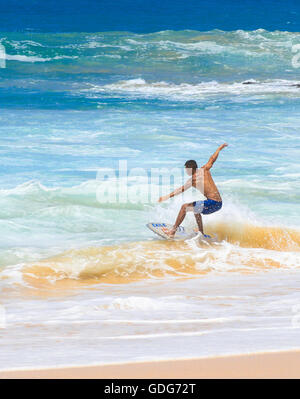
column 273, row 364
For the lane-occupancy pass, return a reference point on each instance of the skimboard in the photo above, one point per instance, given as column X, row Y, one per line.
column 182, row 233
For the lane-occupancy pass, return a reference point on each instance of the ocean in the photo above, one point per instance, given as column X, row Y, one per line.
column 82, row 280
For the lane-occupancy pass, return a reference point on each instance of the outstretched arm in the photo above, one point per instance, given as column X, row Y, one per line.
column 214, row 157
column 179, row 190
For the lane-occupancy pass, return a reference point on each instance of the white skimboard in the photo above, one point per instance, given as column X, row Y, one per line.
column 182, row 233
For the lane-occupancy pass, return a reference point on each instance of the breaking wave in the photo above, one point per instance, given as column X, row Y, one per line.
column 235, row 248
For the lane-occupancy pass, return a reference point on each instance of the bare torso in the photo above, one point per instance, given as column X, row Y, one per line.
column 203, row 181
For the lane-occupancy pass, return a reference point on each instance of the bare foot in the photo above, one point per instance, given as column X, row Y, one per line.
column 199, row 231
column 170, row 233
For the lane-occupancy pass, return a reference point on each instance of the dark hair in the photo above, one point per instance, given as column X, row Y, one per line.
column 191, row 164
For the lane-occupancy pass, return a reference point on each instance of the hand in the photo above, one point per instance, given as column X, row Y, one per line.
column 223, row 146
column 163, row 198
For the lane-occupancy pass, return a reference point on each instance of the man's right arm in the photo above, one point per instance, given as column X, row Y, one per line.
column 178, row 190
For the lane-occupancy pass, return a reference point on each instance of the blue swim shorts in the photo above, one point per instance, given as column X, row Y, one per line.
column 206, row 207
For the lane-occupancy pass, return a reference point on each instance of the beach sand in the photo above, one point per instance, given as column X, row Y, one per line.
column 284, row 364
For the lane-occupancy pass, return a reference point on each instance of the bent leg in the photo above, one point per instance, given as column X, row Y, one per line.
column 181, row 215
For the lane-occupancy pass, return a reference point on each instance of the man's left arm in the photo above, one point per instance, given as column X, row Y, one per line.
column 214, row 157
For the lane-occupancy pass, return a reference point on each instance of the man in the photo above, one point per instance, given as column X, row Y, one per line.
column 203, row 181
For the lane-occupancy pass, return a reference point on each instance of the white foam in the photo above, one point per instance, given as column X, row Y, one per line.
column 186, row 91
column 25, row 58
column 32, row 59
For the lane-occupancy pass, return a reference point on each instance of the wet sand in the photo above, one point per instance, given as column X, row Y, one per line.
column 284, row 364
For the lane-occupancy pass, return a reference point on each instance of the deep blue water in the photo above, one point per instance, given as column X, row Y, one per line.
column 148, row 15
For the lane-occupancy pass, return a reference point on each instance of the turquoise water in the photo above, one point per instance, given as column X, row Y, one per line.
column 74, row 104
column 154, row 99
